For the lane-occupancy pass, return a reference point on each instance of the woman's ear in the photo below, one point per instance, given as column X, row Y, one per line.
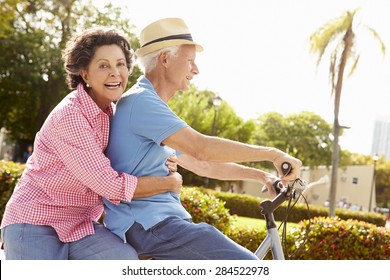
column 84, row 75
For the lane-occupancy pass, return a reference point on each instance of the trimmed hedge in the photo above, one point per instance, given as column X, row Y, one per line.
column 206, row 208
column 332, row 238
column 325, row 239
column 249, row 206
column 10, row 173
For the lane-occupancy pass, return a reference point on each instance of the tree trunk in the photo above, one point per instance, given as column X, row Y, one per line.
column 348, row 39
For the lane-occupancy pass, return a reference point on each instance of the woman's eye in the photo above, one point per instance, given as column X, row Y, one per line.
column 103, row 66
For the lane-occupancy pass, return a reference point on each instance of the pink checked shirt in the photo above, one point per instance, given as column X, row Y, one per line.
column 68, row 173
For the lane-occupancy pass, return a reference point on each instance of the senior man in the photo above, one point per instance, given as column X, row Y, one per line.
column 145, row 132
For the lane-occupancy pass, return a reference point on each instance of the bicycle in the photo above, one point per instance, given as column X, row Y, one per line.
column 272, row 240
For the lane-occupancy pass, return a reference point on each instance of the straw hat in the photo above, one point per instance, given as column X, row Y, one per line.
column 165, row 33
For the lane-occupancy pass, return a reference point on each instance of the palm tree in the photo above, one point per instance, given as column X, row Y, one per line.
column 339, row 33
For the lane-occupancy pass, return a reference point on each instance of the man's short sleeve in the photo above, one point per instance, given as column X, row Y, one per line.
column 153, row 119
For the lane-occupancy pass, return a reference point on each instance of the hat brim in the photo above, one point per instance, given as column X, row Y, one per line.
column 165, row 44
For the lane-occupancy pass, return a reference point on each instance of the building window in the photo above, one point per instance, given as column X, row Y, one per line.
column 355, row 180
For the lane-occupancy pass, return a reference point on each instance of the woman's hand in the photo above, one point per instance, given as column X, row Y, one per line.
column 268, row 182
column 171, row 163
column 176, row 182
column 175, row 179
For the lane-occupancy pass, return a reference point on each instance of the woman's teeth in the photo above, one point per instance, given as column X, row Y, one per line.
column 113, row 85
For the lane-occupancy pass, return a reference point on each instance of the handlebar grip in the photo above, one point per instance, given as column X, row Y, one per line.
column 286, row 168
column 277, row 186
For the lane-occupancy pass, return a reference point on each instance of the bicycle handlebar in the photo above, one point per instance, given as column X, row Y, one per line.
column 277, row 186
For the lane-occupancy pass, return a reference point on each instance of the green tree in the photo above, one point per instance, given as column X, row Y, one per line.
column 304, row 135
column 341, row 32
column 32, row 36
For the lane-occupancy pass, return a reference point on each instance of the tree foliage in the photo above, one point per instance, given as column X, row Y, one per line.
column 303, row 135
column 32, row 78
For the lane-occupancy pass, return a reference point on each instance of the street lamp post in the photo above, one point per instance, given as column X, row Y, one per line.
column 216, row 102
column 375, row 159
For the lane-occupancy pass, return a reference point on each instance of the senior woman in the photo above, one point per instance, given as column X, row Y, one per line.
column 145, row 127
column 55, row 207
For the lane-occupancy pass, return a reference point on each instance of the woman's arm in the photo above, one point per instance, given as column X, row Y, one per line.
column 150, row 185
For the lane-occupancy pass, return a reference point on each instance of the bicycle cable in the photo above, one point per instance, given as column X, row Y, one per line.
column 296, row 196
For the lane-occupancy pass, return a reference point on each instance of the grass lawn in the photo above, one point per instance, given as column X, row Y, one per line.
column 240, row 220
column 256, row 222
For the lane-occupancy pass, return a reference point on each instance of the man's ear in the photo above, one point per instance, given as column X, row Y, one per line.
column 163, row 58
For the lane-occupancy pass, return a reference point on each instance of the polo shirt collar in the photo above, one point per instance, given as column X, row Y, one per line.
column 145, row 83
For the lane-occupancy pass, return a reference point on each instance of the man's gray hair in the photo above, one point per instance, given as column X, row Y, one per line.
column 149, row 61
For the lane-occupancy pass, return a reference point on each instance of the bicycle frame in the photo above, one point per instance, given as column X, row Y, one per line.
column 272, row 240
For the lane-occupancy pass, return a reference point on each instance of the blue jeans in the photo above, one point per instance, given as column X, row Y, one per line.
column 32, row 242
column 178, row 239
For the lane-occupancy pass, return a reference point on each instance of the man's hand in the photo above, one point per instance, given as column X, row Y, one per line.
column 295, row 167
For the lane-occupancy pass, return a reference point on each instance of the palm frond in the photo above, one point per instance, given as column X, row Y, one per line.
column 377, row 38
column 353, row 67
column 327, row 33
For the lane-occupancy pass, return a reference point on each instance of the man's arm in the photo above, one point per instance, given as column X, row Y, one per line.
column 208, row 148
column 227, row 171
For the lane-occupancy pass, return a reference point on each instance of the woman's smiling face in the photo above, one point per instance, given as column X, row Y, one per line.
column 107, row 75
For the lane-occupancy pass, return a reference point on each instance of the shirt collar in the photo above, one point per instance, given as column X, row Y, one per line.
column 145, row 83
column 92, row 109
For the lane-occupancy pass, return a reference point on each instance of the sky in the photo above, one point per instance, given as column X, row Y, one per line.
column 257, row 57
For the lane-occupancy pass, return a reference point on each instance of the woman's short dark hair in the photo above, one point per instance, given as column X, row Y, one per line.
column 80, row 50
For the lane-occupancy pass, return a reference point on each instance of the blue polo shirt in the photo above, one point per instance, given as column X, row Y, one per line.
column 141, row 121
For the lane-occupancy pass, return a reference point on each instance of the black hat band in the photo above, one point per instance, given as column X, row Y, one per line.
column 172, row 37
